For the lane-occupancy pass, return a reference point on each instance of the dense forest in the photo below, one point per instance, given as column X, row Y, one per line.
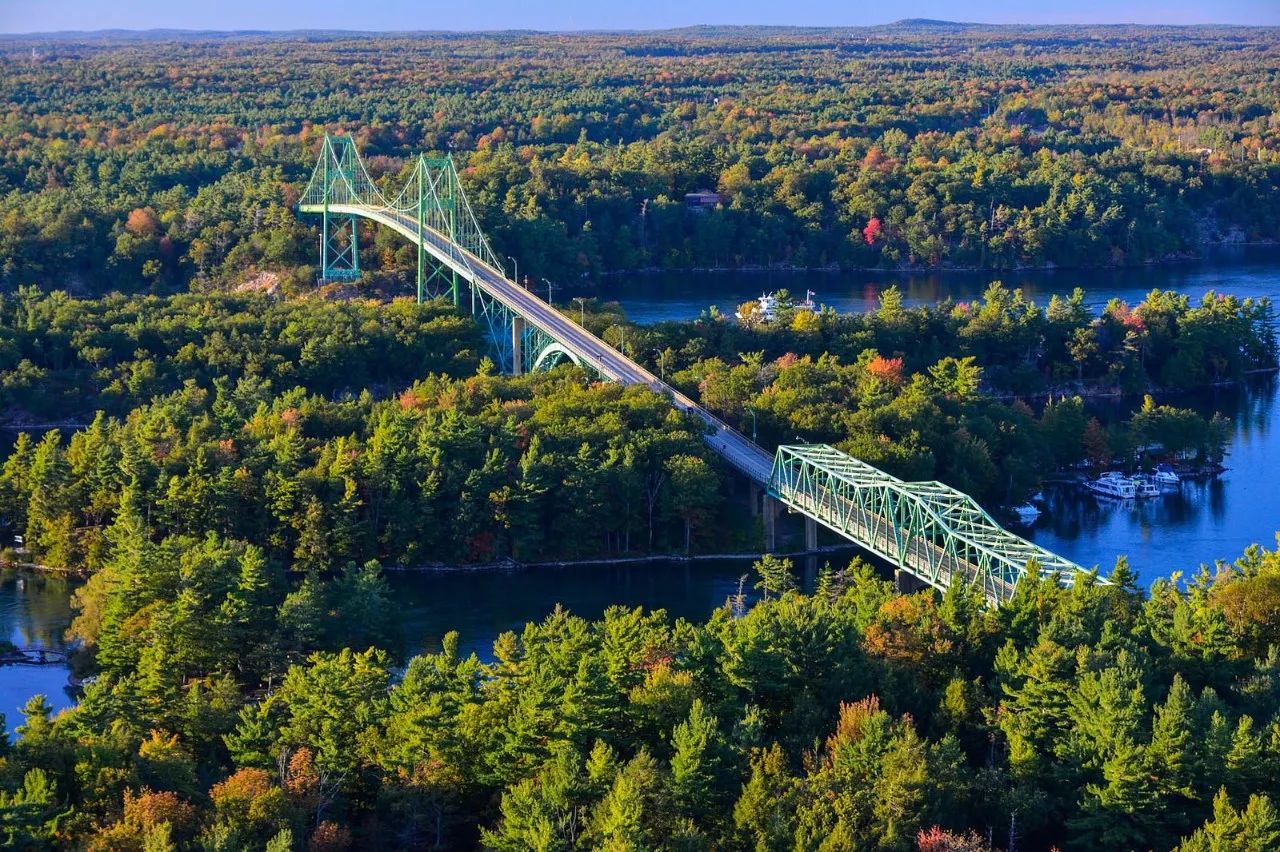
column 1098, row 716
column 148, row 164
column 333, row 431
column 231, row 456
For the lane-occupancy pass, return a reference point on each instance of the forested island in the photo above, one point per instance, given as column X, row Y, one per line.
column 232, row 455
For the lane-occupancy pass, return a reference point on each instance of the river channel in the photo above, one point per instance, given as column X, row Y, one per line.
column 1202, row 522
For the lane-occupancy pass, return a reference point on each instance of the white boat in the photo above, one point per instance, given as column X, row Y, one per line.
column 766, row 307
column 1165, row 475
column 1144, row 486
column 1114, row 485
column 764, row 310
column 1026, row 512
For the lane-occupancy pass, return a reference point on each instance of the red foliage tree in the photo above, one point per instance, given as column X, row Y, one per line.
column 872, row 232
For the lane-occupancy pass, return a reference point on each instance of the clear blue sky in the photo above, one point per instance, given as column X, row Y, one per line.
column 47, row 15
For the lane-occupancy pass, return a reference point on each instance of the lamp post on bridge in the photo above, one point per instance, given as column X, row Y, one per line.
column 516, row 265
column 752, row 412
column 662, row 363
column 549, row 286
column 582, row 310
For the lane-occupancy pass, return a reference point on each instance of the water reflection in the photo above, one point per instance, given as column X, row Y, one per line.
column 35, row 611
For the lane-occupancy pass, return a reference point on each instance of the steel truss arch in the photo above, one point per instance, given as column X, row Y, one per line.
column 929, row 529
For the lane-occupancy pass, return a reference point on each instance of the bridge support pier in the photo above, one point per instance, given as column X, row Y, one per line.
column 906, row 582
column 517, row 338
column 810, row 534
column 770, row 507
column 754, row 499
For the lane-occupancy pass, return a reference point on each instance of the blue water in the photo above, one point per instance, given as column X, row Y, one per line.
column 1242, row 271
column 35, row 611
column 1203, row 522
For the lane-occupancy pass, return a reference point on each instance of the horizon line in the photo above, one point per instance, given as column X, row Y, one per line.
column 919, row 23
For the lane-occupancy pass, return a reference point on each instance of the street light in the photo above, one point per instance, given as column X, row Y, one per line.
column 516, row 264
column 662, row 363
column 549, row 285
column 752, row 412
column 582, row 310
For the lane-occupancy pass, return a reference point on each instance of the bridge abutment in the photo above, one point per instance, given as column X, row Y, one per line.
column 810, row 533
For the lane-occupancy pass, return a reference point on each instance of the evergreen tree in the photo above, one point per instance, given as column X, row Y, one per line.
column 697, row 763
column 776, row 577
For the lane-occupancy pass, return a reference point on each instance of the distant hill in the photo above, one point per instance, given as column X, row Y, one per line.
column 932, row 24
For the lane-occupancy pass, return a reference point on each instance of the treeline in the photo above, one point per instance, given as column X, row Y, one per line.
column 245, row 417
column 1165, row 342
column 64, row 358
column 1098, row 716
column 531, row 468
column 179, row 161
column 450, row 470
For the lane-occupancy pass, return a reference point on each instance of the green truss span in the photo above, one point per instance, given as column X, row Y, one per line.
column 929, row 529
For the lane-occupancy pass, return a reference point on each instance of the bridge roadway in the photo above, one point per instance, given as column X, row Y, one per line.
column 923, row 558
column 735, row 448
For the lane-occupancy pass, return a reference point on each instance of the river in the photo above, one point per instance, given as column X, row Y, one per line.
column 1203, row 522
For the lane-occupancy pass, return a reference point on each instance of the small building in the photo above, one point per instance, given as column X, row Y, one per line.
column 703, row 199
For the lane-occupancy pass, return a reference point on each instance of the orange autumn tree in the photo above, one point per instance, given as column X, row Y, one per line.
column 887, row 370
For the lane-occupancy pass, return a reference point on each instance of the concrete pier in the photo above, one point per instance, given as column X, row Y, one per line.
column 517, row 345
column 770, row 508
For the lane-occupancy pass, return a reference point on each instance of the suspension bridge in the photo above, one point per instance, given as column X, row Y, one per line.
column 931, row 531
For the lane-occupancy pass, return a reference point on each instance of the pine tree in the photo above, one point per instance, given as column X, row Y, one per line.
column 765, row 811
column 528, row 822
column 1122, row 811
column 49, row 506
column 15, row 483
column 619, row 818
column 1229, row 830
column 696, row 763
column 1246, row 768
column 776, row 577
column 1171, row 732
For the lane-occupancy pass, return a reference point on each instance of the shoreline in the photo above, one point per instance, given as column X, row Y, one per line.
column 1113, row 393
column 507, row 564
column 1169, row 261
column 517, row 565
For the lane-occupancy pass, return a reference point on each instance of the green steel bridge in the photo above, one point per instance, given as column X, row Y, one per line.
column 929, row 530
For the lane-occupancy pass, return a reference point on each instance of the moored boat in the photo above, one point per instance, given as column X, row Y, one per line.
column 1026, row 512
column 1165, row 475
column 1144, row 486
column 1114, row 485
